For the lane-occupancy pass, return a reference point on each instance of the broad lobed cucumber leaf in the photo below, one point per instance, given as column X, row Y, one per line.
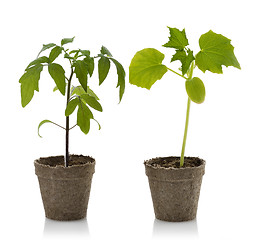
column 146, row 68
column 216, row 50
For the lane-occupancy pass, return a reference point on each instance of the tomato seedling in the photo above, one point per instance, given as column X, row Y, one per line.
column 81, row 65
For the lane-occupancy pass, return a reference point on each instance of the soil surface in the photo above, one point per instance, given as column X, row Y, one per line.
column 174, row 162
column 59, row 160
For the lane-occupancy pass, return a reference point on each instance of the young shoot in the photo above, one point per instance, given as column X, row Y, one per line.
column 215, row 50
column 81, row 65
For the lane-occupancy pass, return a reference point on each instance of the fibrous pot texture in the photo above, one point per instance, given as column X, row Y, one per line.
column 65, row 191
column 175, row 190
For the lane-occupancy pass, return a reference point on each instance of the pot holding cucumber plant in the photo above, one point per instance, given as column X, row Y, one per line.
column 175, row 182
column 65, row 180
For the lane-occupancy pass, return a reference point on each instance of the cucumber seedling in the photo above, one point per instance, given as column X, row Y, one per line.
column 215, row 50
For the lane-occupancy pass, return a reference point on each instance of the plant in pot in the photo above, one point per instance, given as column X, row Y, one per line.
column 65, row 181
column 175, row 181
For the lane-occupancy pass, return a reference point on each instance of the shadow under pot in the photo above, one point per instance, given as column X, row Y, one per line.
column 64, row 190
column 175, row 190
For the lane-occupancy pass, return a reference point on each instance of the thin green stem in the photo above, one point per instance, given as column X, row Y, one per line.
column 177, row 73
column 185, row 132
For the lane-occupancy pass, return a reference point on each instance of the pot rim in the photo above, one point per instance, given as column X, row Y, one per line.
column 147, row 163
column 43, row 165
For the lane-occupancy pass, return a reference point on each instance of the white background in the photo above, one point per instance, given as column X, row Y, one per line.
column 145, row 124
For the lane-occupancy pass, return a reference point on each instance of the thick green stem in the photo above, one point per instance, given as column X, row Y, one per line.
column 66, row 160
column 185, row 132
column 187, row 119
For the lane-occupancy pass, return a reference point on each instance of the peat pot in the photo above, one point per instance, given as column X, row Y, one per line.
column 65, row 191
column 175, row 191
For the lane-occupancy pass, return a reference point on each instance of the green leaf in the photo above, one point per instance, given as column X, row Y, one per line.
column 47, row 121
column 83, row 117
column 46, row 46
column 58, row 74
column 29, row 83
column 216, row 51
column 81, row 72
column 121, row 77
column 41, row 123
column 103, row 68
column 177, row 39
column 195, row 89
column 146, row 68
column 105, row 51
column 66, row 55
column 85, row 52
column 67, row 40
column 92, row 102
column 184, row 58
column 89, row 61
column 79, row 91
column 55, row 52
column 71, row 106
column 38, row 60
column 56, row 88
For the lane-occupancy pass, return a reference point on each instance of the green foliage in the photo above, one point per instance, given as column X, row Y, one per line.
column 82, row 66
column 81, row 72
column 177, row 39
column 41, row 123
column 46, row 46
column 29, row 83
column 55, row 52
column 71, row 106
column 216, row 50
column 58, row 74
column 67, row 40
column 146, row 68
column 103, row 68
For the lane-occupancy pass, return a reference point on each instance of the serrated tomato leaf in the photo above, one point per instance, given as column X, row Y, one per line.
column 29, row 83
column 83, row 117
column 37, row 61
column 216, row 50
column 195, row 89
column 41, row 123
column 146, row 68
column 81, row 71
column 67, row 40
column 71, row 106
column 89, row 61
column 105, row 51
column 79, row 91
column 55, row 52
column 46, row 46
column 103, row 68
column 92, row 102
column 121, row 77
column 58, row 74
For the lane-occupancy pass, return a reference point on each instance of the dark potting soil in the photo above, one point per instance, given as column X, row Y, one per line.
column 59, row 160
column 174, row 162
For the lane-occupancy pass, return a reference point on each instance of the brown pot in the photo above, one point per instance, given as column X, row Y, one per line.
column 175, row 191
column 65, row 191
